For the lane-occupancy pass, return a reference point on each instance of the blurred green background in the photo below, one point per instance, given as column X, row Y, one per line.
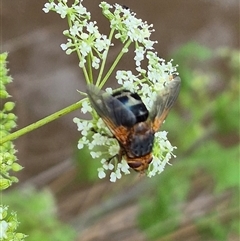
column 199, row 194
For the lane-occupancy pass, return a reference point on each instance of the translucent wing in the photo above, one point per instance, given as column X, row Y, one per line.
column 164, row 102
column 115, row 115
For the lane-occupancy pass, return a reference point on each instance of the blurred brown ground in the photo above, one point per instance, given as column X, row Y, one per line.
column 46, row 80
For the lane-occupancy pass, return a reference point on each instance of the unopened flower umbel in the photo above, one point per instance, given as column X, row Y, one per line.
column 124, row 131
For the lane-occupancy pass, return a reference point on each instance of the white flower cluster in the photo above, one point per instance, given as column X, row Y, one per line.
column 148, row 88
column 99, row 140
column 148, row 84
column 91, row 46
column 124, row 21
column 8, row 225
column 3, row 224
column 83, row 35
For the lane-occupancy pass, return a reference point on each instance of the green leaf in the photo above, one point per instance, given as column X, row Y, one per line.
column 36, row 211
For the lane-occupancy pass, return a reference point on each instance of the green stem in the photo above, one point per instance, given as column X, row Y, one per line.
column 78, row 52
column 41, row 122
column 122, row 52
column 89, row 64
column 104, row 59
column 83, row 68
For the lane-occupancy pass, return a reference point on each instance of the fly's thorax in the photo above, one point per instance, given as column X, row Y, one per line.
column 133, row 102
column 142, row 128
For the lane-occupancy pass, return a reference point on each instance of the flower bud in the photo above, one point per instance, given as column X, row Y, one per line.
column 4, row 94
column 8, row 106
column 16, row 167
column 4, row 183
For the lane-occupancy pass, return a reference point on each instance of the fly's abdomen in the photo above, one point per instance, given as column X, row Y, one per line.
column 141, row 140
column 141, row 145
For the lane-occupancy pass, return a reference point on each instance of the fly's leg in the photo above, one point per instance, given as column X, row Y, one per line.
column 118, row 156
column 103, row 134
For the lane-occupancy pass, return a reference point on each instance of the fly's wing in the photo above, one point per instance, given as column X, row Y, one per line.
column 164, row 102
column 115, row 115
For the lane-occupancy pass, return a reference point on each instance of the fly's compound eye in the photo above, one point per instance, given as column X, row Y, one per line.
column 135, row 165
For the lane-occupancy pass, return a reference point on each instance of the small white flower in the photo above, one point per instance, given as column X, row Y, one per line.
column 3, row 229
column 151, row 174
column 82, row 62
column 84, row 48
column 101, row 173
column 83, row 126
column 76, row 120
column 81, row 10
column 162, row 135
column 107, row 165
column 64, row 47
column 102, row 43
column 95, row 154
column 48, row 7
column 155, row 167
column 169, row 146
column 76, row 29
column 125, row 167
column 91, row 27
column 153, row 75
column 139, row 55
column 99, row 140
column 105, row 5
column 115, row 175
column 167, row 158
column 118, row 173
column 113, row 150
column 127, row 79
column 120, row 76
column 83, row 141
column 110, row 166
column 148, row 44
column 61, row 9
column 91, row 145
column 109, row 90
column 86, row 107
column 95, row 62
